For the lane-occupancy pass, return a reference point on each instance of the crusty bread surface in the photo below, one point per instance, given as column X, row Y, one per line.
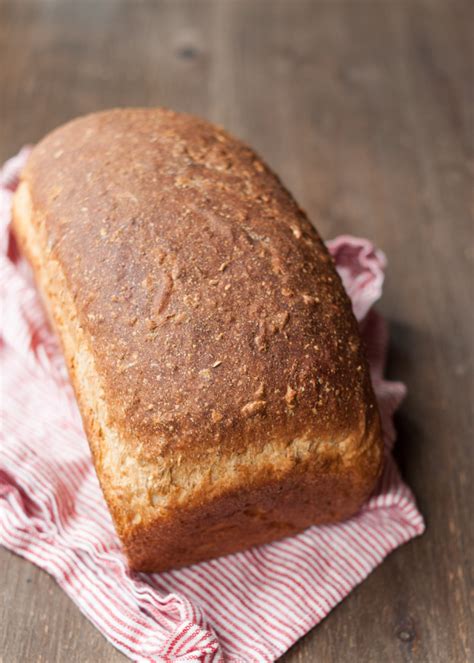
column 213, row 351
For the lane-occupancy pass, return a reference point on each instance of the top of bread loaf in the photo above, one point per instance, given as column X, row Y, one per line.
column 216, row 314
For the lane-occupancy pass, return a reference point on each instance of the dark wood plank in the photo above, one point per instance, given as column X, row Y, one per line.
column 365, row 109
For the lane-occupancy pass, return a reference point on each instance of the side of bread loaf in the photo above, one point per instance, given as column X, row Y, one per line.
column 212, row 348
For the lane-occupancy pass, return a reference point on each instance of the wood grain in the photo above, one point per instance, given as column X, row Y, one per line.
column 365, row 109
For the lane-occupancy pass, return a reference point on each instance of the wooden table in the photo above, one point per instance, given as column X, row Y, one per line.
column 365, row 109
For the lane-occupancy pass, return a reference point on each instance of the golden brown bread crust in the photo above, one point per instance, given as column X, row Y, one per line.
column 212, row 347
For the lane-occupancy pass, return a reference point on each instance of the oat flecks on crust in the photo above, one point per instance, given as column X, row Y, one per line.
column 143, row 209
column 215, row 317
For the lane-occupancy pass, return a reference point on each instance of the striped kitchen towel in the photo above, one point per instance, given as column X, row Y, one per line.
column 245, row 608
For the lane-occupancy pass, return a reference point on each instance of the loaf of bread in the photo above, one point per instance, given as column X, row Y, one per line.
column 213, row 351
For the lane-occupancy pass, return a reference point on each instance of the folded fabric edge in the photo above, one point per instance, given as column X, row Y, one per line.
column 412, row 531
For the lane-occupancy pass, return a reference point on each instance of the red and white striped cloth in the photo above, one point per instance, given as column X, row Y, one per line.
column 245, row 608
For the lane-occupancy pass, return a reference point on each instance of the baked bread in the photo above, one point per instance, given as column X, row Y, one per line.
column 213, row 351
